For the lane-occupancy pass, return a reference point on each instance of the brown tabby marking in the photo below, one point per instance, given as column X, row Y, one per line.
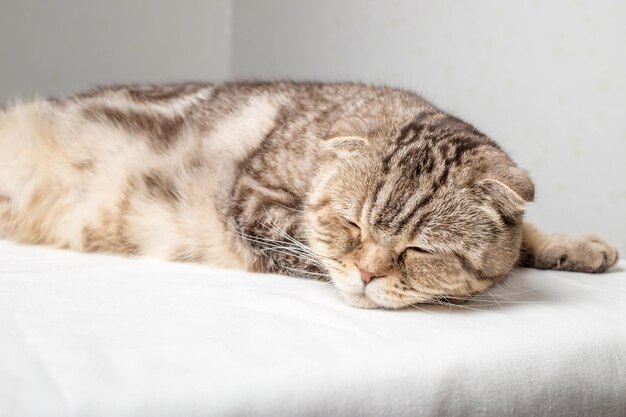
column 85, row 165
column 160, row 129
column 111, row 232
column 161, row 188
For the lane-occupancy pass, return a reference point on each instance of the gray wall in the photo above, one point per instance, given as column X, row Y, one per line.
column 59, row 46
column 545, row 79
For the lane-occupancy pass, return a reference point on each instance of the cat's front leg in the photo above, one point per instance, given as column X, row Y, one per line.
column 585, row 253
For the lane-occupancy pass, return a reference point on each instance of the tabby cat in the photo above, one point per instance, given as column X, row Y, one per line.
column 393, row 200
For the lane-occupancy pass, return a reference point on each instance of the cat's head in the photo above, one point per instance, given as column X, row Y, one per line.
column 415, row 213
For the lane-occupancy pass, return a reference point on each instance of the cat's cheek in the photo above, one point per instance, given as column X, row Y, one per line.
column 377, row 291
column 343, row 246
column 347, row 284
column 351, row 290
column 358, row 300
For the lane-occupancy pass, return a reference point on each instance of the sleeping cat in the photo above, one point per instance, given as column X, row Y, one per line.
column 393, row 200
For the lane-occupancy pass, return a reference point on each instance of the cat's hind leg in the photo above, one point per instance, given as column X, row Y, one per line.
column 584, row 253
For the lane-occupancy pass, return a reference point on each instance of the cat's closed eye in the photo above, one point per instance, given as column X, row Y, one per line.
column 353, row 225
column 353, row 229
column 417, row 249
column 412, row 251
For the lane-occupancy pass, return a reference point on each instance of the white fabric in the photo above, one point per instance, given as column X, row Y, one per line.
column 92, row 335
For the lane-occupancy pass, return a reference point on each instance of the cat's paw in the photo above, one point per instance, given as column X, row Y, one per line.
column 6, row 230
column 587, row 253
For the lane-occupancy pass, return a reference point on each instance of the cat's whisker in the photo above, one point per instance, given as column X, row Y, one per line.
column 288, row 251
column 289, row 208
column 280, row 244
column 416, row 306
column 451, row 305
column 281, row 247
column 292, row 252
column 478, row 298
column 257, row 239
column 494, row 299
column 285, row 235
column 275, row 227
column 301, row 272
column 304, row 250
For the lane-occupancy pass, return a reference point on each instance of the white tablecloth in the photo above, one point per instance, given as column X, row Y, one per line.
column 93, row 335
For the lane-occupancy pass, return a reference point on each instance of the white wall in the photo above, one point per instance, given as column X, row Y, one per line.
column 546, row 79
column 59, row 46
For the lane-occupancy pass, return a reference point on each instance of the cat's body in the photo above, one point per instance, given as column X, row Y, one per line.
column 300, row 179
column 152, row 170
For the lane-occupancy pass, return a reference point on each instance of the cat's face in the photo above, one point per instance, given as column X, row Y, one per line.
column 393, row 231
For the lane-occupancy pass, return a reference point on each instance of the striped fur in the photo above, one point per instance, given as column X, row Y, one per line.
column 302, row 179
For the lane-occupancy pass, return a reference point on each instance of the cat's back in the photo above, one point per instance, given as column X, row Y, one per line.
column 161, row 113
column 150, row 169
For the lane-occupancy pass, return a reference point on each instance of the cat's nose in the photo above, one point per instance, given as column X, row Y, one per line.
column 367, row 276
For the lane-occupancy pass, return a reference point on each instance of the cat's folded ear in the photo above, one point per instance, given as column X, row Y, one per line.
column 516, row 179
column 509, row 188
column 347, row 137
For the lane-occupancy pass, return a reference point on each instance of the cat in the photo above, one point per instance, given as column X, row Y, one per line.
column 372, row 188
